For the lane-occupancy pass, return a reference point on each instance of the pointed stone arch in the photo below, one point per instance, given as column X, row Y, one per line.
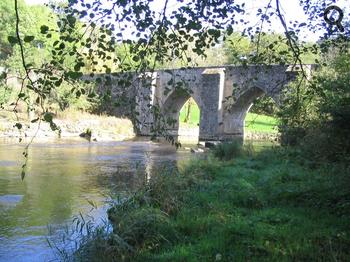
column 236, row 113
column 172, row 106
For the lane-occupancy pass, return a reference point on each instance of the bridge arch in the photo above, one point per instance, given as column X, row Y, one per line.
column 172, row 106
column 234, row 118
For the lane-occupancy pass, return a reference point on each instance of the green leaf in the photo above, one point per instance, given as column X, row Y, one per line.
column 3, row 75
column 35, row 120
column 28, row 38
column 12, row 40
column 44, row 29
column 214, row 32
column 230, row 30
column 61, row 46
column 71, row 20
column 58, row 82
column 74, row 75
column 48, row 117
column 77, row 67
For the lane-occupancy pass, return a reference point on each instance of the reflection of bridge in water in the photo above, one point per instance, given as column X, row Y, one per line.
column 223, row 94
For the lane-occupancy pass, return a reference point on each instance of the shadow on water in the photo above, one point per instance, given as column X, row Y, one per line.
column 61, row 178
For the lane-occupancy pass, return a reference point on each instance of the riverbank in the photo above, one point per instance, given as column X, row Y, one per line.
column 72, row 124
column 269, row 205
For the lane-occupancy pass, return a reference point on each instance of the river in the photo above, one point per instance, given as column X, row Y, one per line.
column 61, row 178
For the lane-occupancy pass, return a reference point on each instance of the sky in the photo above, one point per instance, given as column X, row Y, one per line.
column 291, row 9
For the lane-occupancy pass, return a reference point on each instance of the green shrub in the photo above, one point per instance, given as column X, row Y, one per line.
column 141, row 221
column 228, row 150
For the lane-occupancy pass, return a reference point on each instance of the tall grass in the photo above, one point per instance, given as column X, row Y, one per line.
column 233, row 149
column 227, row 151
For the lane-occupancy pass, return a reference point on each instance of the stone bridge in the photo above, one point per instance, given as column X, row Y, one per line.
column 223, row 94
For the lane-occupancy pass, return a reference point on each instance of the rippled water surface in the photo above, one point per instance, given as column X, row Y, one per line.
column 61, row 178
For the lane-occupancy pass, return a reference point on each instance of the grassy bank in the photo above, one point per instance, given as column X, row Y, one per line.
column 260, row 206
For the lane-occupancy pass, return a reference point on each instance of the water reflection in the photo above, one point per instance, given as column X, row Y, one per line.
column 60, row 178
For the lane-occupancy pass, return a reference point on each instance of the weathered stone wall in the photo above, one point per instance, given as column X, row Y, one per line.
column 117, row 91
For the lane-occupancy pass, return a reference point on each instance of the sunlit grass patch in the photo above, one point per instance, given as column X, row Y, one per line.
column 193, row 117
column 260, row 123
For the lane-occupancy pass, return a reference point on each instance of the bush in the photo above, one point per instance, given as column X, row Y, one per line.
column 227, row 151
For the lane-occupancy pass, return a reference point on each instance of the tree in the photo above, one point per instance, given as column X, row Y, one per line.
column 32, row 17
column 316, row 113
column 7, row 19
column 190, row 102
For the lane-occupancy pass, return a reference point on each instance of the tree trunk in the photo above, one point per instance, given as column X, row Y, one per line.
column 188, row 111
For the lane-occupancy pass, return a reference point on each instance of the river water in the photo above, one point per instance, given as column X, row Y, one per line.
column 62, row 177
